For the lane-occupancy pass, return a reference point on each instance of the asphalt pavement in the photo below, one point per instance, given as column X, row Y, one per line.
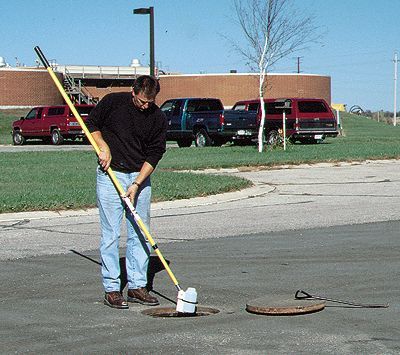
column 328, row 229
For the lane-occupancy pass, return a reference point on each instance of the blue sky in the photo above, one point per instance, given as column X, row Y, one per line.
column 357, row 49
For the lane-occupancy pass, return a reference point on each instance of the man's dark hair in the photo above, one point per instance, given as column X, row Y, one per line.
column 146, row 84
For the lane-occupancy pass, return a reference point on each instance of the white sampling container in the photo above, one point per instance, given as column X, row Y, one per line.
column 187, row 301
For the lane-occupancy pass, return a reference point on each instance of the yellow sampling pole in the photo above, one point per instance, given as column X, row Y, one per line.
column 110, row 172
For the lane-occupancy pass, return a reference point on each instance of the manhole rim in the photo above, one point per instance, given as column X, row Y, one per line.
column 170, row 312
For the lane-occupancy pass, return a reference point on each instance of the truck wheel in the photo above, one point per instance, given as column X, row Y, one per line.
column 18, row 138
column 273, row 137
column 56, row 137
column 184, row 143
column 202, row 139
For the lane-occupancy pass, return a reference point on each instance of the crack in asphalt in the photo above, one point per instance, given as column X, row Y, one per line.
column 331, row 195
column 18, row 223
column 49, row 230
column 329, row 183
column 231, row 209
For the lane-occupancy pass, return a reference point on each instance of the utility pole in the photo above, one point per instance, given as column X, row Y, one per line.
column 395, row 61
column 298, row 64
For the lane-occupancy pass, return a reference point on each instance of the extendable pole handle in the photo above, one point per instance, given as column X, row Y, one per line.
column 42, row 57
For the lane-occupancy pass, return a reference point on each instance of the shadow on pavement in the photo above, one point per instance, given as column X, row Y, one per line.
column 155, row 266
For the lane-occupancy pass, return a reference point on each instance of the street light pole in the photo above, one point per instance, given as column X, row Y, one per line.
column 395, row 61
column 152, row 61
column 149, row 11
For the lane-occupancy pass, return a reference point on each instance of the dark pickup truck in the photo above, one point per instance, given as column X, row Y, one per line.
column 243, row 121
column 198, row 119
column 307, row 120
column 204, row 121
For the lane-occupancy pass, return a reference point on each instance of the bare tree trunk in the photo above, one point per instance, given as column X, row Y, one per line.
column 263, row 65
column 261, row 134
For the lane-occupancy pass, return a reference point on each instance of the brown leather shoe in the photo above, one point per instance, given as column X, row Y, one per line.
column 142, row 296
column 115, row 300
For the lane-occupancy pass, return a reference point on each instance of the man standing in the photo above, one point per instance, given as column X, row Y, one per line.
column 130, row 131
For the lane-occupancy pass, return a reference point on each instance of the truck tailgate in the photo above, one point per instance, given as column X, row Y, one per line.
column 238, row 120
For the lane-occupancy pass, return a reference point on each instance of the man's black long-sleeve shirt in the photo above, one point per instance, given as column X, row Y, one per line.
column 134, row 136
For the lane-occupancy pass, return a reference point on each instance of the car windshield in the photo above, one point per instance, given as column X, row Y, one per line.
column 166, row 106
column 239, row 107
column 31, row 114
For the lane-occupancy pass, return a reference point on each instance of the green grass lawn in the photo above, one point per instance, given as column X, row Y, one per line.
column 66, row 180
column 62, row 180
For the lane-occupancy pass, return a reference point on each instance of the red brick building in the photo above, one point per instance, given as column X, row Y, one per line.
column 29, row 87
column 234, row 87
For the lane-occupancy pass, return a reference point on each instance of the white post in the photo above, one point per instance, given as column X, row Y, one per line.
column 395, row 89
column 338, row 119
column 284, row 129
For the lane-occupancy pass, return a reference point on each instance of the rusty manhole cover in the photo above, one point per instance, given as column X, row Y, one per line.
column 283, row 306
column 171, row 312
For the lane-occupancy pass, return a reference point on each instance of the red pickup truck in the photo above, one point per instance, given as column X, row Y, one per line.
column 49, row 123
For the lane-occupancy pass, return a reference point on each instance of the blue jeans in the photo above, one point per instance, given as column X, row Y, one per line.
column 111, row 210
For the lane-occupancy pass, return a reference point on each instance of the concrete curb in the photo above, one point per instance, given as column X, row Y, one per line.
column 250, row 192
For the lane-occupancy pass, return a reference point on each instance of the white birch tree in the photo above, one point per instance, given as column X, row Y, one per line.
column 272, row 29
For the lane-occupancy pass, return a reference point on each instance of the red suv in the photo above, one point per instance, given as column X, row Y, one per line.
column 50, row 123
column 307, row 120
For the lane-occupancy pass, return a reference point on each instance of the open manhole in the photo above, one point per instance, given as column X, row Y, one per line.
column 171, row 312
